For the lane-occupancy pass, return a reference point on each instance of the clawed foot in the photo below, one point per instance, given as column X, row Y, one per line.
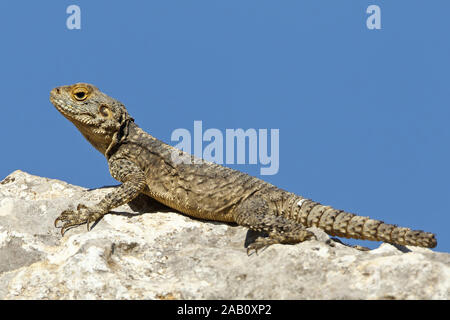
column 77, row 217
column 331, row 241
column 260, row 243
column 296, row 237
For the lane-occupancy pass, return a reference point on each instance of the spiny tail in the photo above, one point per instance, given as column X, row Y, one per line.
column 343, row 224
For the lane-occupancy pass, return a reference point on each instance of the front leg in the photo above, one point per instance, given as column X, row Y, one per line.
column 133, row 182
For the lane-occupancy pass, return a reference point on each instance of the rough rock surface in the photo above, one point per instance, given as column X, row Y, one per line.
column 146, row 251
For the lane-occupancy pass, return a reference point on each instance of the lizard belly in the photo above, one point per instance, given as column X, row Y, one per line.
column 194, row 210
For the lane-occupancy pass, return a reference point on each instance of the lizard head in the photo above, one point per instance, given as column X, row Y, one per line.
column 99, row 117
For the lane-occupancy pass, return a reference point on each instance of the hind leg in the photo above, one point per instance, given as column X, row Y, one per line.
column 256, row 214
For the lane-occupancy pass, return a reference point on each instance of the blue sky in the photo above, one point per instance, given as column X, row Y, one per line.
column 362, row 114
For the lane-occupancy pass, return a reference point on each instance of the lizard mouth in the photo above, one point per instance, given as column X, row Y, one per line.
column 59, row 103
column 70, row 112
column 64, row 109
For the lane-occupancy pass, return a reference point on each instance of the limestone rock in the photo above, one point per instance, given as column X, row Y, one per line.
column 146, row 251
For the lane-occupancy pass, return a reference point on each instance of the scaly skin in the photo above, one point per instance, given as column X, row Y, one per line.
column 199, row 188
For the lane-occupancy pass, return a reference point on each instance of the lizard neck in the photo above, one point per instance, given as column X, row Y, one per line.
column 119, row 137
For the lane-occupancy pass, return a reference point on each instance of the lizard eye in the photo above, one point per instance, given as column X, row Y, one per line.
column 104, row 110
column 80, row 93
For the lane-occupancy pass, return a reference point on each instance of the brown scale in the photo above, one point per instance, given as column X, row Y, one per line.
column 305, row 209
column 315, row 215
column 340, row 224
column 370, row 229
column 384, row 232
column 291, row 208
column 355, row 227
column 327, row 220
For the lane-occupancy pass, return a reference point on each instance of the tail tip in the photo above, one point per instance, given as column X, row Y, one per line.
column 427, row 240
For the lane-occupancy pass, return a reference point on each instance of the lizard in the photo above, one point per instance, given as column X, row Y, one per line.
column 198, row 188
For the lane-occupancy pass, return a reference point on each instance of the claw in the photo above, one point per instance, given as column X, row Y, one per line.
column 250, row 248
column 63, row 230
column 81, row 215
